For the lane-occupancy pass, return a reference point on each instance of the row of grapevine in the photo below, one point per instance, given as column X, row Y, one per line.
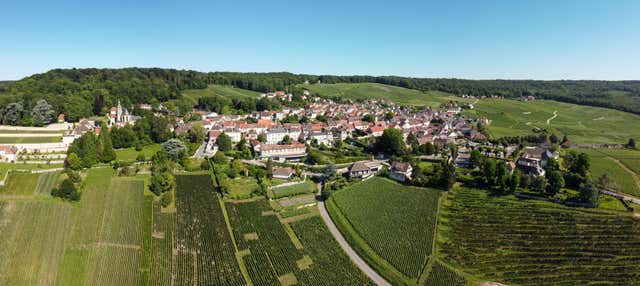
column 440, row 275
column 331, row 266
column 272, row 252
column 163, row 230
column 535, row 243
column 201, row 232
column 273, row 255
column 396, row 221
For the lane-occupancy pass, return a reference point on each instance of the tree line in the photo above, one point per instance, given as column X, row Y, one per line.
column 84, row 92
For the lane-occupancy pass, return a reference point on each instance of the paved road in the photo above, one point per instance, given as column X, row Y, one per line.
column 374, row 276
column 622, row 196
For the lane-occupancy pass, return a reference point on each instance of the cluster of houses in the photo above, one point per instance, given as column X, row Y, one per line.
column 285, row 141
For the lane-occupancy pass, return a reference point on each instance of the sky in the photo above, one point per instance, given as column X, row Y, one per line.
column 489, row 39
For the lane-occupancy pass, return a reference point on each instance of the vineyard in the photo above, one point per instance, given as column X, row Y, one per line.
column 388, row 220
column 204, row 249
column 32, row 235
column 440, row 275
column 272, row 258
column 537, row 243
column 613, row 163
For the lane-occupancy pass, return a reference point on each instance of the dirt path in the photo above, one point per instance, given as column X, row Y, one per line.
column 555, row 114
column 357, row 260
column 635, row 177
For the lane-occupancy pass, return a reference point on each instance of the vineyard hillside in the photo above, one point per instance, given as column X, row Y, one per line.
column 528, row 242
column 301, row 253
column 391, row 225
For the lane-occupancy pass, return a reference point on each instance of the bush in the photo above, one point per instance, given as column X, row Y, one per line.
column 67, row 191
column 141, row 158
column 167, row 199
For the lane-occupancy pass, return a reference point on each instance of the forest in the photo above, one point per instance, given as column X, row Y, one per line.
column 85, row 92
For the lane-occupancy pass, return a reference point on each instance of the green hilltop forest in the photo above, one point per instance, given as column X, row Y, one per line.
column 86, row 92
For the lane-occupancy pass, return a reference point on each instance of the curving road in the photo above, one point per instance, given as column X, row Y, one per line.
column 359, row 262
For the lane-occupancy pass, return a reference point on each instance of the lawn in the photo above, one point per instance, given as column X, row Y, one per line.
column 219, row 90
column 305, row 187
column 304, row 251
column 391, row 225
column 242, row 187
column 399, row 95
column 527, row 242
column 130, row 154
column 582, row 124
column 29, row 140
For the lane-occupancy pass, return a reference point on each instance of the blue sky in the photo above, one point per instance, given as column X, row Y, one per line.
column 464, row 39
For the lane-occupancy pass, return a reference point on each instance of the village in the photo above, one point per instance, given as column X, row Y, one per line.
column 289, row 134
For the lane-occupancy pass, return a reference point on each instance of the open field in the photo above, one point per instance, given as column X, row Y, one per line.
column 275, row 252
column 391, row 226
column 242, row 187
column 399, row 95
column 20, row 183
column 630, row 158
column 204, row 249
column 219, row 90
column 582, row 124
column 130, row 154
column 604, row 162
column 305, row 187
column 28, row 140
column 526, row 242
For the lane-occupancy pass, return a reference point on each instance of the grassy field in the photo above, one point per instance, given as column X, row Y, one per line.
column 277, row 253
column 528, row 242
column 630, row 158
column 582, row 124
column 20, row 183
column 242, row 187
column 391, row 225
column 305, row 187
column 219, row 90
column 610, row 162
column 27, row 140
column 399, row 95
column 130, row 154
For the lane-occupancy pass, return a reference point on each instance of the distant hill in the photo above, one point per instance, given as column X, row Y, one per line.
column 362, row 91
column 85, row 92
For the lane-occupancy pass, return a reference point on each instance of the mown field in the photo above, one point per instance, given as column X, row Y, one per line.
column 303, row 253
column 619, row 165
column 524, row 242
column 582, row 124
column 399, row 95
column 392, row 226
column 130, row 154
